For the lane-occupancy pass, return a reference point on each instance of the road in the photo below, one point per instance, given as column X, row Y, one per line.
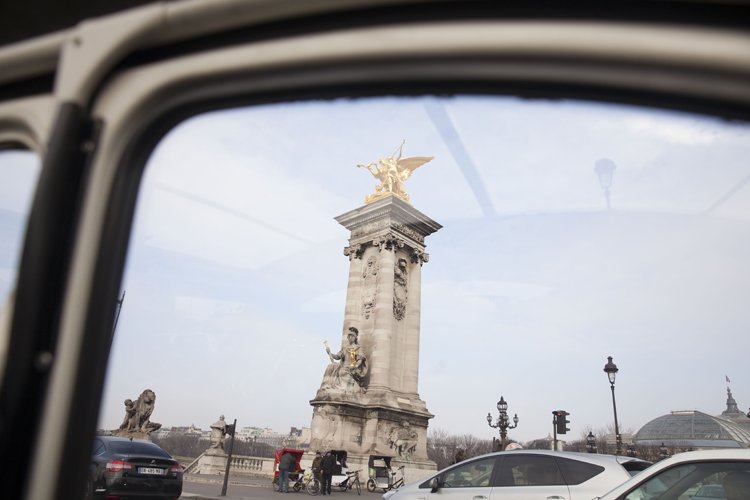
column 242, row 489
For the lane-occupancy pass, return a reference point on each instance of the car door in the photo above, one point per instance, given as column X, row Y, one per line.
column 526, row 476
column 468, row 480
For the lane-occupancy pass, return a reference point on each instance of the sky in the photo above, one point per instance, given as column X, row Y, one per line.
column 236, row 274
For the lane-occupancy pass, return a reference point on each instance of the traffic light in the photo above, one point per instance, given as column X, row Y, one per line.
column 561, row 421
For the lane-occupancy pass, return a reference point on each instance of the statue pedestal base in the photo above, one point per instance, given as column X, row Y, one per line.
column 131, row 434
column 368, row 428
column 211, row 464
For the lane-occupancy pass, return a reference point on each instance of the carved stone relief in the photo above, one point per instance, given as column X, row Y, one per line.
column 389, row 241
column 369, row 285
column 400, row 282
column 354, row 251
column 403, row 228
column 403, row 439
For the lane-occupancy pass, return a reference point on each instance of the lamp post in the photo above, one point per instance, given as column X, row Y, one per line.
column 503, row 422
column 611, row 370
column 604, row 169
column 591, row 443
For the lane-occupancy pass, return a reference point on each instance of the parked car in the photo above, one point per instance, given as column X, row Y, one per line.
column 121, row 467
column 696, row 475
column 525, row 474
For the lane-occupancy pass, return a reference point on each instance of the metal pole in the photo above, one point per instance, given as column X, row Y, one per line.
column 503, row 433
column 617, row 429
column 229, row 461
column 554, row 431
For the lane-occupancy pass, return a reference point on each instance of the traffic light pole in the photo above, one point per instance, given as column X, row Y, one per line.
column 229, row 461
column 559, row 423
column 554, row 430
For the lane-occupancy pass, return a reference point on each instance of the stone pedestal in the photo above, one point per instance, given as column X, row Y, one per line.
column 212, row 463
column 384, row 414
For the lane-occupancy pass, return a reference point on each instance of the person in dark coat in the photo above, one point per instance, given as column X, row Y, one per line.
column 316, row 466
column 286, row 465
column 327, row 466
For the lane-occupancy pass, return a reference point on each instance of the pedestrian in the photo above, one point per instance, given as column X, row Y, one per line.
column 286, row 465
column 327, row 465
column 316, row 466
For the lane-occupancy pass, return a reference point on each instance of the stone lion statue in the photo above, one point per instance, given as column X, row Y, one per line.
column 138, row 414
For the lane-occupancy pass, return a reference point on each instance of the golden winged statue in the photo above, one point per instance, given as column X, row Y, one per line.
column 392, row 173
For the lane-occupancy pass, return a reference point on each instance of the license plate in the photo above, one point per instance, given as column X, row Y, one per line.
column 151, row 470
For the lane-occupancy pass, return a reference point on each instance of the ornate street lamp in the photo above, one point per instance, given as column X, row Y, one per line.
column 591, row 443
column 604, row 169
column 631, row 450
column 503, row 422
column 611, row 370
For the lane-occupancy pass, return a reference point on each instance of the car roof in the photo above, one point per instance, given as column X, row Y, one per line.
column 598, row 458
column 112, row 439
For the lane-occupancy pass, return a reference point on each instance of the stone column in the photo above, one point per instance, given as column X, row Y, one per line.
column 380, row 357
column 364, row 418
column 411, row 342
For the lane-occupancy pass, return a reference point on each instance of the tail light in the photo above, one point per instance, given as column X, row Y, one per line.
column 117, row 466
column 175, row 468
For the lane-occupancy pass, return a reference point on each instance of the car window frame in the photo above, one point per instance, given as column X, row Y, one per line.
column 85, row 310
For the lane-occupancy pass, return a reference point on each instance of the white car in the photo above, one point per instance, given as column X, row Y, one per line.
column 524, row 474
column 685, row 475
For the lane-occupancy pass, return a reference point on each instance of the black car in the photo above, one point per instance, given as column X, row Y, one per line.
column 123, row 467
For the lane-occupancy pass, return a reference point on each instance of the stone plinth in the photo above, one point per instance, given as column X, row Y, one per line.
column 382, row 414
column 211, row 464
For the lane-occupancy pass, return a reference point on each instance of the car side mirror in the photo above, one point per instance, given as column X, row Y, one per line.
column 434, row 485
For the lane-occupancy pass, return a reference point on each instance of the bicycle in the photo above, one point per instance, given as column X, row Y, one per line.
column 311, row 484
column 397, row 484
column 350, row 483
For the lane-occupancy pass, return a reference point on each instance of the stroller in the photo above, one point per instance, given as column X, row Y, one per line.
column 379, row 468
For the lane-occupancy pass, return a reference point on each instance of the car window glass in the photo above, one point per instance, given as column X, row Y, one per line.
column 701, row 481
column 529, row 470
column 473, row 474
column 236, row 272
column 576, row 472
column 137, row 448
column 19, row 171
column 98, row 447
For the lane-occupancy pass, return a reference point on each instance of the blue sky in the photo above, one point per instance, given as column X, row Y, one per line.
column 236, row 276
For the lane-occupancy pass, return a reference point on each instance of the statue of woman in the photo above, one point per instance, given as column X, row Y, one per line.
column 350, row 362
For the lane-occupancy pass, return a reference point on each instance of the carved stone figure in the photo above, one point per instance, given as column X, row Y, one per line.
column 392, row 173
column 136, row 422
column 129, row 422
column 403, row 439
column 219, row 429
column 399, row 289
column 369, row 286
column 348, row 366
column 144, row 407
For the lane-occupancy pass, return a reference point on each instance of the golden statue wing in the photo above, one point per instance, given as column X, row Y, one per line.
column 408, row 165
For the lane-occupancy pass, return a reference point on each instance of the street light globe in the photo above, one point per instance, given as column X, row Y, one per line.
column 502, row 406
column 604, row 169
column 611, row 370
